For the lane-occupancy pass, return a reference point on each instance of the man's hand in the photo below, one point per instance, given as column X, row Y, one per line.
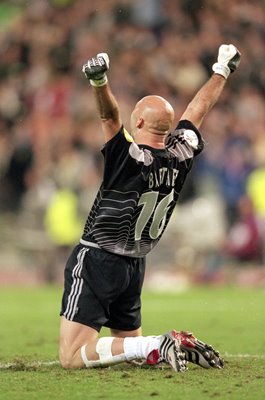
column 95, row 69
column 228, row 60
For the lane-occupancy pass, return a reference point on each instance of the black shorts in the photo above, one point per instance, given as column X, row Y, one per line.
column 103, row 289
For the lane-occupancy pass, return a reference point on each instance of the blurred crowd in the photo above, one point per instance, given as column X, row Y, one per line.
column 50, row 139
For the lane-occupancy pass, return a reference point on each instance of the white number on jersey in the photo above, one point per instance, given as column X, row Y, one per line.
column 150, row 205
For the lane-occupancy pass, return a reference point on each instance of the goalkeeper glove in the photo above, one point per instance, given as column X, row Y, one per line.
column 95, row 69
column 228, row 60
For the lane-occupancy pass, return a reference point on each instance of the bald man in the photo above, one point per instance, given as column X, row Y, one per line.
column 144, row 172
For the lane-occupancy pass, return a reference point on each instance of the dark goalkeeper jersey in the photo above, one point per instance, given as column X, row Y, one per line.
column 139, row 191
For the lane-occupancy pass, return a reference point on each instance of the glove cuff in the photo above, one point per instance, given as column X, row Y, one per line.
column 99, row 82
column 221, row 70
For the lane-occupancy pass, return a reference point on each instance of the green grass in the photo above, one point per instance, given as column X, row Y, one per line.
column 231, row 319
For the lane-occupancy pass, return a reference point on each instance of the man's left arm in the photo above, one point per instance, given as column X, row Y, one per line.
column 227, row 62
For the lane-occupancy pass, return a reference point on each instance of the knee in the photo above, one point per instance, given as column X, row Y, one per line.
column 67, row 359
column 73, row 336
column 66, row 362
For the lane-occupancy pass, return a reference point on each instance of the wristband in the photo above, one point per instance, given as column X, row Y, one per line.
column 221, row 70
column 99, row 82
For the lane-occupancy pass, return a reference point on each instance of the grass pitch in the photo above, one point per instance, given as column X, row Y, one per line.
column 231, row 319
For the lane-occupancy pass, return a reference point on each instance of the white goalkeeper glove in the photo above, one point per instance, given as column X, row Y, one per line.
column 95, row 69
column 228, row 60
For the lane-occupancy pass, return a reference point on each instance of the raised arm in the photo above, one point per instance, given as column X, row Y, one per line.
column 227, row 62
column 95, row 71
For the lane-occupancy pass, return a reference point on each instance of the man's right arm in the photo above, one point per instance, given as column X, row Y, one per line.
column 95, row 71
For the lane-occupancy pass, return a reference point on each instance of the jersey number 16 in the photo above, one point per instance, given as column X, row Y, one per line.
column 152, row 207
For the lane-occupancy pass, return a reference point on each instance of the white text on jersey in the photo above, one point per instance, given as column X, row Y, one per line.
column 163, row 176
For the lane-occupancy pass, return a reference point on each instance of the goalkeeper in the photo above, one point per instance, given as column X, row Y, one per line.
column 143, row 175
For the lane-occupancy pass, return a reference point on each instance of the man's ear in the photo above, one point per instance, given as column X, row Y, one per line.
column 140, row 123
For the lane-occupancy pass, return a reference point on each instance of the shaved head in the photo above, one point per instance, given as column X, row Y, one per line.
column 153, row 114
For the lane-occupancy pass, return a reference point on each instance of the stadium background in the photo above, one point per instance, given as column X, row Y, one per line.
column 50, row 163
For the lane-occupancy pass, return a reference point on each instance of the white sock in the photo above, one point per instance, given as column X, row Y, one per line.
column 140, row 347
